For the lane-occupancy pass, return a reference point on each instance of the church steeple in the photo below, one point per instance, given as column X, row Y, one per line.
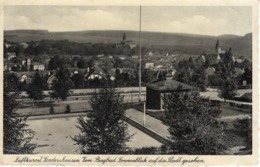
column 124, row 37
column 217, row 47
column 123, row 42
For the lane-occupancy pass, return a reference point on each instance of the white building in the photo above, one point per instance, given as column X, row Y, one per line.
column 37, row 66
column 149, row 65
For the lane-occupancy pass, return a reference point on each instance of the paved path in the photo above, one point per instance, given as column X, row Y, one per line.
column 151, row 123
column 234, row 117
column 214, row 96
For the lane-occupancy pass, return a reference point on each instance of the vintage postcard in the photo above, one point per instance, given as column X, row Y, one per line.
column 120, row 83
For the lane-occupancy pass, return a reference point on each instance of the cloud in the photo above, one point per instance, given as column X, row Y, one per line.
column 210, row 21
column 197, row 24
column 71, row 19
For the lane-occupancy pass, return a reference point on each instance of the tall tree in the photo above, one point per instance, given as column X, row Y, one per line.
column 36, row 87
column 61, row 85
column 78, row 80
column 102, row 130
column 198, row 78
column 82, row 63
column 147, row 76
column 227, row 73
column 13, row 82
column 17, row 137
column 58, row 62
column 192, row 124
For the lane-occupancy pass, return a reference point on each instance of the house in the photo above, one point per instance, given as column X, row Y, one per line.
column 210, row 71
column 51, row 80
column 7, row 45
column 172, row 71
column 132, row 46
column 201, row 59
column 239, row 71
column 111, row 75
column 10, row 55
column 159, row 66
column 110, row 56
column 150, row 53
column 148, row 65
column 75, row 71
column 37, row 66
column 156, row 91
column 122, row 57
column 100, row 55
column 24, row 45
column 96, row 73
column 27, row 76
column 135, row 56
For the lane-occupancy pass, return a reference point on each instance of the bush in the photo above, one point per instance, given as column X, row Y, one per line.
column 68, row 109
column 52, row 110
column 243, row 127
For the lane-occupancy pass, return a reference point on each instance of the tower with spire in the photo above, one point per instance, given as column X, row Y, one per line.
column 217, row 47
column 123, row 42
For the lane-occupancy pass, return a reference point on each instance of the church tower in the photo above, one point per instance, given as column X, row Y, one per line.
column 123, row 42
column 217, row 47
column 124, row 37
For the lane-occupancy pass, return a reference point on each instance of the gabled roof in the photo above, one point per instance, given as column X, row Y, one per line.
column 98, row 71
column 169, row 85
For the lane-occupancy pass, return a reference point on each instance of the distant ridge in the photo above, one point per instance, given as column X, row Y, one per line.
column 191, row 43
column 27, row 31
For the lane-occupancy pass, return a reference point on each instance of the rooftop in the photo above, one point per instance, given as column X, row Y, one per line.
column 169, row 85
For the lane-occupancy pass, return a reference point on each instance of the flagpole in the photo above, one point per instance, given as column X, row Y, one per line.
column 140, row 59
column 140, row 64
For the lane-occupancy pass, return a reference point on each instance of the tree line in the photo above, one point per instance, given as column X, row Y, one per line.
column 55, row 47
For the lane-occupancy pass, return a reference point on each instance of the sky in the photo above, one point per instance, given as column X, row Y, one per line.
column 219, row 20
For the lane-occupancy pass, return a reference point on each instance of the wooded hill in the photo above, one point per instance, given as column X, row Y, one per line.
column 183, row 43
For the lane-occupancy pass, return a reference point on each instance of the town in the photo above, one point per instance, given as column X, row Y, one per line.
column 87, row 71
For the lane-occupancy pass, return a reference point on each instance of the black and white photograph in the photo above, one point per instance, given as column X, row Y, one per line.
column 128, row 80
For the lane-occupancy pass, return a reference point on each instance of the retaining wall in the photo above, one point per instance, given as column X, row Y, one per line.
column 148, row 131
